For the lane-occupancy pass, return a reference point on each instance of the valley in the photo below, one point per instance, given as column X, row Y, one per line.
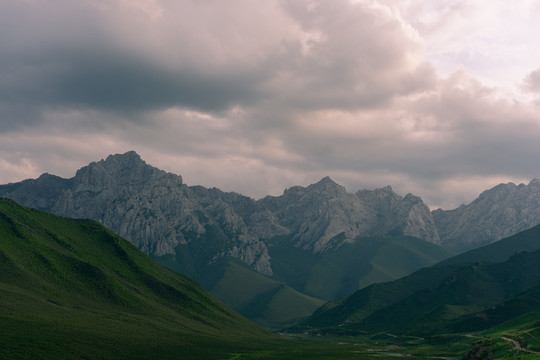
column 325, row 274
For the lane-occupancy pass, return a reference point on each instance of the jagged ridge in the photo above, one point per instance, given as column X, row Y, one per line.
column 157, row 212
column 497, row 213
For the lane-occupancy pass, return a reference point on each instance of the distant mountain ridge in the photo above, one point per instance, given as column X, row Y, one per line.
column 191, row 228
column 497, row 213
column 157, row 212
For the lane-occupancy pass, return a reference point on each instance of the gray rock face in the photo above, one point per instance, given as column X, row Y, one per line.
column 397, row 215
column 497, row 213
column 151, row 208
column 319, row 217
column 159, row 214
column 324, row 215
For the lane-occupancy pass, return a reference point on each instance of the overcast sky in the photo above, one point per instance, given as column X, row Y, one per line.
column 437, row 98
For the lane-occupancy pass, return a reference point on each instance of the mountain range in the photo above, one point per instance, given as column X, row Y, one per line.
column 309, row 244
column 157, row 212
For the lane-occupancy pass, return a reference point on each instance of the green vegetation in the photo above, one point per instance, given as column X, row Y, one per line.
column 266, row 301
column 301, row 279
column 376, row 297
column 499, row 251
column 495, row 303
column 71, row 289
column 261, row 299
column 352, row 266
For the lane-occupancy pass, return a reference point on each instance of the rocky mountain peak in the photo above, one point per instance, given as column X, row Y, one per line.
column 499, row 212
column 327, row 187
column 413, row 199
column 497, row 192
column 46, row 177
column 130, row 158
column 400, row 215
column 384, row 194
column 117, row 170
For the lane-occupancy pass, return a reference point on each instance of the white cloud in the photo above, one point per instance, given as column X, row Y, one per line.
column 494, row 40
column 532, row 81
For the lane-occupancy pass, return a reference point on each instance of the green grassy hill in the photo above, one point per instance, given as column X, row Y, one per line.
column 264, row 300
column 524, row 306
column 353, row 266
column 301, row 279
column 454, row 296
column 361, row 304
column 468, row 291
column 71, row 289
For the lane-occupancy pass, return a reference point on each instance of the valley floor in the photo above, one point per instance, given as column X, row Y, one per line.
column 519, row 344
column 153, row 342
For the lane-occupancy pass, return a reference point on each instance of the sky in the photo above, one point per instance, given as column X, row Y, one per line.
column 436, row 98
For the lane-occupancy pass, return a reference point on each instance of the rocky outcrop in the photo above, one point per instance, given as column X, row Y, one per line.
column 151, row 208
column 41, row 193
column 400, row 216
column 324, row 215
column 320, row 217
column 159, row 214
column 497, row 213
column 162, row 216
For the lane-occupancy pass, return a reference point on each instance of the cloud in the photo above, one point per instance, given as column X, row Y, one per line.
column 256, row 96
column 358, row 57
column 206, row 56
column 491, row 39
column 123, row 57
column 532, row 81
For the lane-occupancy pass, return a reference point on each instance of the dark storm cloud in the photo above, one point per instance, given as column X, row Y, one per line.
column 74, row 55
column 70, row 68
column 121, row 84
column 461, row 131
column 254, row 95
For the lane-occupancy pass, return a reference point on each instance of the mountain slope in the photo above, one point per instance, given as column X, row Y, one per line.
column 522, row 305
column 467, row 290
column 497, row 213
column 72, row 289
column 353, row 265
column 264, row 300
column 499, row 251
column 445, row 296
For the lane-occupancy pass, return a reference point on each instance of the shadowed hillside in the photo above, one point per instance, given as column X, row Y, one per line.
column 72, row 289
